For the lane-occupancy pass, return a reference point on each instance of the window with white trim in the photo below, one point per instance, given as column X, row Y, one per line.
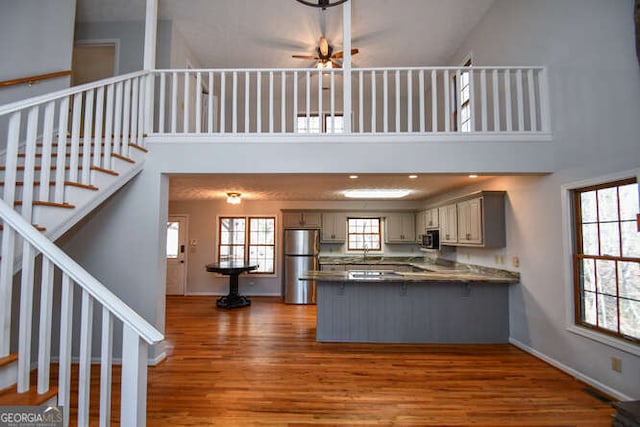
column 462, row 92
column 313, row 124
column 606, row 258
column 363, row 234
column 248, row 240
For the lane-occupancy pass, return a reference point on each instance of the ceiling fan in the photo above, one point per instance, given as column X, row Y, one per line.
column 325, row 56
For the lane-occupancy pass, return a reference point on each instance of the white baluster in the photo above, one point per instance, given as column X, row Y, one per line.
column 223, row 101
column 271, row 102
column 66, row 334
column 126, row 118
column 163, row 100
column 247, row 102
column 234, row 102
column 174, row 102
column 144, row 89
column 385, row 101
column 472, row 101
column 26, row 315
column 333, row 102
column 545, row 109
column 409, row 101
column 507, row 100
column 135, row 110
column 45, row 153
column 421, row 99
column 61, row 152
column 373, row 102
column 199, row 102
column 75, row 138
column 308, row 95
column 84, row 376
column 86, row 141
column 210, row 104
column 186, row 127
column 496, row 102
column 447, row 109
column 30, row 164
column 458, row 95
column 108, row 124
column 434, row 101
column 398, row 126
column 97, row 139
column 44, row 340
column 483, row 98
column 133, row 407
column 360, row 101
column 117, row 128
column 533, row 118
column 283, row 102
column 259, row 102
column 106, row 351
column 520, row 100
column 295, row 101
column 320, row 108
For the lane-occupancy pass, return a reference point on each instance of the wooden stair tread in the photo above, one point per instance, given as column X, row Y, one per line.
column 11, row 397
column 44, row 203
column 12, row 357
column 71, row 183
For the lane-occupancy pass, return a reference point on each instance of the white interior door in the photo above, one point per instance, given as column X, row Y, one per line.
column 177, row 255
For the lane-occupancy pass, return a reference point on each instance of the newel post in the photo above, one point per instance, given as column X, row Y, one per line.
column 133, row 401
column 149, row 62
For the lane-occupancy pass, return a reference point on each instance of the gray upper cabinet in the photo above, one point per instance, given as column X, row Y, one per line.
column 301, row 219
column 334, row 227
column 431, row 218
column 421, row 225
column 476, row 220
column 400, row 228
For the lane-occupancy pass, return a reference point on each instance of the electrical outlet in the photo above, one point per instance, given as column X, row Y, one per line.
column 497, row 259
column 515, row 261
column 616, row 364
column 501, row 259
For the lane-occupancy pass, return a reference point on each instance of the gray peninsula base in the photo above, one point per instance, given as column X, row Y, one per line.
column 397, row 312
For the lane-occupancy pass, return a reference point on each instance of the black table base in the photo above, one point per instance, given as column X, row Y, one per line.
column 233, row 299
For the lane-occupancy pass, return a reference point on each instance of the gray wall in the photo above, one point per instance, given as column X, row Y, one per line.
column 130, row 35
column 588, row 46
column 35, row 38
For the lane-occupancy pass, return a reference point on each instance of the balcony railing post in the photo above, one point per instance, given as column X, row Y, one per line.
column 133, row 406
column 545, row 116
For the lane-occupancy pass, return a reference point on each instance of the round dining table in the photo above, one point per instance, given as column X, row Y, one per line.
column 232, row 269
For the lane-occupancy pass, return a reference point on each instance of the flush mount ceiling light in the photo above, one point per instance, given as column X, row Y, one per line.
column 376, row 194
column 233, row 198
column 413, row 176
column 322, row 3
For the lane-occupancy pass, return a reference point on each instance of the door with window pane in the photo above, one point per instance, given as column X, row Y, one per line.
column 176, row 255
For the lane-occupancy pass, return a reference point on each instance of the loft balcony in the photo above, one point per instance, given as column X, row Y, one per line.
column 407, row 103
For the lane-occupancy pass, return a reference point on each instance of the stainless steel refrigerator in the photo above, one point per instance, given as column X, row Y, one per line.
column 301, row 248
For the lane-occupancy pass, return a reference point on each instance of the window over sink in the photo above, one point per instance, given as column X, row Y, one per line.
column 363, row 234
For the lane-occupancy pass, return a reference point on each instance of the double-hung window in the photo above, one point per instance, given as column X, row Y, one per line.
column 461, row 99
column 314, row 124
column 606, row 258
column 248, row 240
column 363, row 234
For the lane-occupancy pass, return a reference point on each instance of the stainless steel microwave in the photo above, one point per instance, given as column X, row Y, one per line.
column 431, row 239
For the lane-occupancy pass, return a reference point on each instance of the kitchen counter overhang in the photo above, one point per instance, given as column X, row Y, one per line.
column 387, row 276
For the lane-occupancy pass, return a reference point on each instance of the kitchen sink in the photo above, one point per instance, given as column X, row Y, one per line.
column 373, row 274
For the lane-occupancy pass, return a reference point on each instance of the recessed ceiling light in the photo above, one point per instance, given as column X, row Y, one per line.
column 353, row 176
column 376, row 193
column 413, row 176
column 473, row 176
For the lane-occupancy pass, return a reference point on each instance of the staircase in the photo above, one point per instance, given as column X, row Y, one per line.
column 65, row 154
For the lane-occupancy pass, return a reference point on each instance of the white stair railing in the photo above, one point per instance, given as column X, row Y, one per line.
column 137, row 333
column 408, row 101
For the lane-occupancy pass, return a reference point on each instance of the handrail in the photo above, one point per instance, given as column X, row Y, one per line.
column 32, row 79
column 80, row 276
column 30, row 102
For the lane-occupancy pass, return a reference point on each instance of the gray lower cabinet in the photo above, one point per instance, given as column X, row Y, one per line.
column 413, row 312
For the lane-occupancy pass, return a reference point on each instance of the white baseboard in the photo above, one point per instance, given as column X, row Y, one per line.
column 576, row 374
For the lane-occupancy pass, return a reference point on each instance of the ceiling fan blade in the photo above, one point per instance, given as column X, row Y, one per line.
column 305, row 57
column 336, row 64
column 340, row 53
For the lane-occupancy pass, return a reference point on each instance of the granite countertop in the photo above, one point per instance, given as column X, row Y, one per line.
column 431, row 271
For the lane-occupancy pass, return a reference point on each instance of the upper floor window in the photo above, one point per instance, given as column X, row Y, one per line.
column 462, row 93
column 313, row 124
column 248, row 240
column 363, row 234
column 607, row 258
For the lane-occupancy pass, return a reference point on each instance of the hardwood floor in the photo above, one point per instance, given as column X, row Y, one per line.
column 261, row 365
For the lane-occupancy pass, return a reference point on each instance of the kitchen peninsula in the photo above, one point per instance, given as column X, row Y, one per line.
column 444, row 305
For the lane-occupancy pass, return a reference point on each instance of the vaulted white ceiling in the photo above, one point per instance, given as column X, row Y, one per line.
column 265, row 33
